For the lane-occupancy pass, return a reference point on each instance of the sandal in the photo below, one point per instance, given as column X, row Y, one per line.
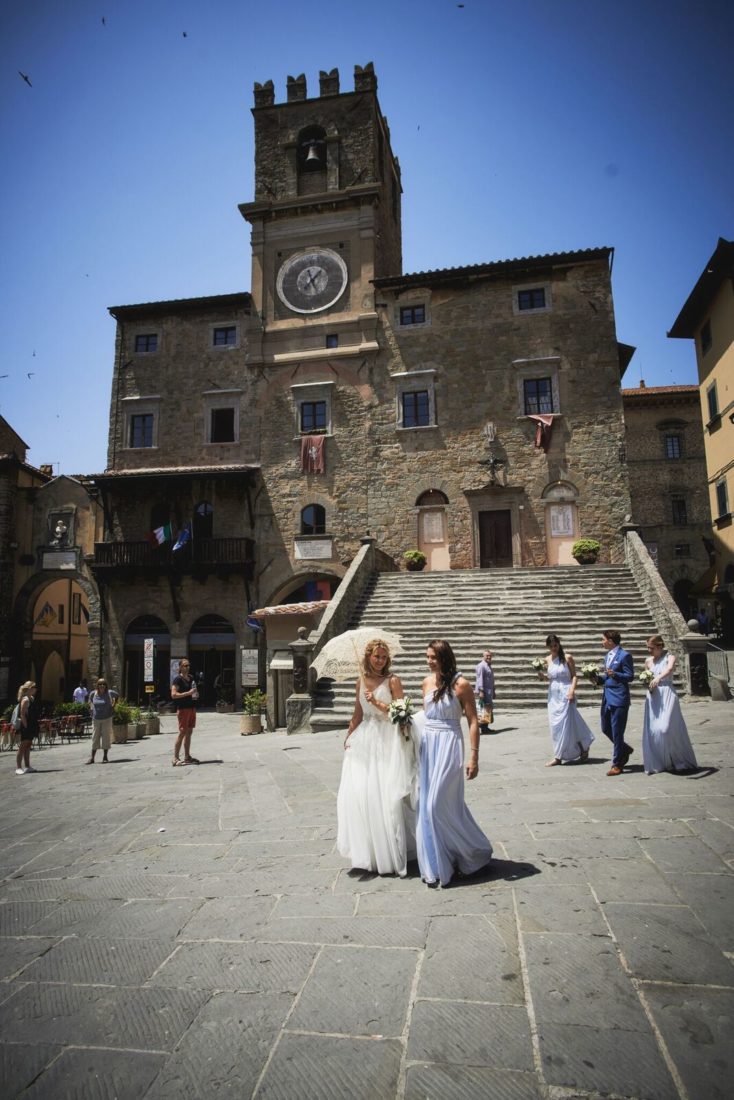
column 584, row 756
column 179, row 763
column 191, row 760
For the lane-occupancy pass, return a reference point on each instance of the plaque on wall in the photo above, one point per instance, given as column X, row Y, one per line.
column 249, row 666
column 58, row 559
column 313, row 548
column 561, row 521
column 432, row 524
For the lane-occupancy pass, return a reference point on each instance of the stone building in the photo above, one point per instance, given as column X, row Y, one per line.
column 46, row 590
column 707, row 318
column 667, row 473
column 473, row 412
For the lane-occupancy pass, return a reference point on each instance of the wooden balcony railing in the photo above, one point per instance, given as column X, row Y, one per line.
column 211, row 553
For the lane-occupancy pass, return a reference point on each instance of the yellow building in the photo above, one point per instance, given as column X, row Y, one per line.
column 708, row 318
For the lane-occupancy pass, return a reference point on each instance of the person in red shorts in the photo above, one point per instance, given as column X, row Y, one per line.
column 184, row 695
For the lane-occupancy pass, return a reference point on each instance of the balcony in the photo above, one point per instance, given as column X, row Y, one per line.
column 234, row 555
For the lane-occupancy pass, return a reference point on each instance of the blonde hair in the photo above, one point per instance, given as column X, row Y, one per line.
column 369, row 649
column 25, row 688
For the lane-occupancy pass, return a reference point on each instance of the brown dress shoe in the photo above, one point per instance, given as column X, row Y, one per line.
column 614, row 770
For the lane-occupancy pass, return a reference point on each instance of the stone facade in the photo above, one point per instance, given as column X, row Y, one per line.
column 473, row 412
column 667, row 473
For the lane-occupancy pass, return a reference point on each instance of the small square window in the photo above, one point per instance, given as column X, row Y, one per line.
column 413, row 315
column 224, row 336
column 146, row 342
column 673, row 447
column 222, row 426
column 141, row 430
column 313, row 417
column 705, row 337
column 332, row 340
column 534, row 298
column 538, row 393
column 679, row 510
column 416, row 409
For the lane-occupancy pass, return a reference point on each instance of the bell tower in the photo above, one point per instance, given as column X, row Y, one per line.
column 325, row 218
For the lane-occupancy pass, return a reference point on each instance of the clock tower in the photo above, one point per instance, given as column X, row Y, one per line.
column 325, row 219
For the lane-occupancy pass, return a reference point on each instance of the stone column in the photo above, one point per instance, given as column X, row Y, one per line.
column 298, row 705
column 694, row 647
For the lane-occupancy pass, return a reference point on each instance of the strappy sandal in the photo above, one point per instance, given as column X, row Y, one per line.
column 191, row 760
column 584, row 756
column 179, row 763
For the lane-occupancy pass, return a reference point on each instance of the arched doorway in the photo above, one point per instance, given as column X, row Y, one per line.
column 682, row 596
column 139, row 630
column 212, row 657
column 432, row 532
column 60, row 631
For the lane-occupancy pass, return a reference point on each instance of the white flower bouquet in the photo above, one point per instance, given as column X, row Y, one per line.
column 590, row 671
column 539, row 664
column 646, row 677
column 401, row 713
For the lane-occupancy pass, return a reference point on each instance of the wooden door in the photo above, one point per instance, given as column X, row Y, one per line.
column 495, row 539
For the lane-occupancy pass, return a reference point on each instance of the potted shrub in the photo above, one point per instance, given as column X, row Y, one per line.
column 415, row 560
column 121, row 717
column 253, row 704
column 136, row 725
column 225, row 699
column 586, row 551
column 151, row 721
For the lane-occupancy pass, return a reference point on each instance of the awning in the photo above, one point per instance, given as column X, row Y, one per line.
column 706, row 583
column 309, row 608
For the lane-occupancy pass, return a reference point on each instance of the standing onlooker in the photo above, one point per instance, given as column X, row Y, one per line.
column 102, row 701
column 184, row 694
column 619, row 670
column 703, row 621
column 80, row 693
column 484, row 690
column 666, row 745
column 30, row 713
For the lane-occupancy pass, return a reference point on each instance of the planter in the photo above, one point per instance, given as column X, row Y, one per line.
column 250, row 723
column 415, row 567
column 119, row 734
column 152, row 726
column 225, row 708
column 136, row 731
column 586, row 559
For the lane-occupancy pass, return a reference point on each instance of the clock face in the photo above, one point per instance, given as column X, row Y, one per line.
column 311, row 281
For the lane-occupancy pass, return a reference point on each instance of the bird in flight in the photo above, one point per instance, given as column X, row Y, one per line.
column 104, row 21
column 31, row 373
column 184, row 34
column 26, row 78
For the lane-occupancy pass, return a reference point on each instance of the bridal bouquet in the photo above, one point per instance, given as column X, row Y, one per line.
column 538, row 664
column 590, row 671
column 401, row 713
column 646, row 677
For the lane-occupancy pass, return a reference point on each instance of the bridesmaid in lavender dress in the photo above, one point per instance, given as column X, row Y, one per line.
column 448, row 839
column 570, row 735
column 666, row 746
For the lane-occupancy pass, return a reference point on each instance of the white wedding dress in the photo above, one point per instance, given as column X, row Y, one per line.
column 376, row 819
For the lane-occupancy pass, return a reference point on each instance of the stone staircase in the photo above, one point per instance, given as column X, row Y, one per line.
column 509, row 611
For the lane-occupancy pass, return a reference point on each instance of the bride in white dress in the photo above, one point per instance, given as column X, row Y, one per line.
column 376, row 821
column 449, row 841
column 666, row 745
column 570, row 735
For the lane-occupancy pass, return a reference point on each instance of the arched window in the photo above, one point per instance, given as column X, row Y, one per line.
column 203, row 520
column 313, row 520
column 432, row 498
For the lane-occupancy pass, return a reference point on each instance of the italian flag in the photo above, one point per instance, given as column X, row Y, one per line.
column 163, row 534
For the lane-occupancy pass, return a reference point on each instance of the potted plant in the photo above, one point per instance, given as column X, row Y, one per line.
column 586, row 551
column 121, row 717
column 225, row 699
column 253, row 704
column 151, row 721
column 415, row 560
column 136, row 725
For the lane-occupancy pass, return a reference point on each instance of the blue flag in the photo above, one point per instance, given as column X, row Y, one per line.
column 254, row 624
column 183, row 538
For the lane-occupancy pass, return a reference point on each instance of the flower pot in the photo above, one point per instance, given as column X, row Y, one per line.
column 136, row 730
column 415, row 566
column 119, row 734
column 250, row 723
column 586, row 559
column 152, row 726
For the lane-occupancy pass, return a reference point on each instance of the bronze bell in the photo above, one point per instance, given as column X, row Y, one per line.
column 312, row 157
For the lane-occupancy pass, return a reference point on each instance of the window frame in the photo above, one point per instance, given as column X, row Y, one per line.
column 534, row 370
column 529, row 288
column 305, row 393
column 535, row 382
column 409, row 302
column 407, row 315
column 673, row 441
column 414, row 382
column 215, row 400
column 721, row 498
column 679, row 510
column 147, row 336
column 316, row 528
column 222, row 326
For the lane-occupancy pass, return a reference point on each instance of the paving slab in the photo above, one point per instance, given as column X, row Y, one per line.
column 193, row 932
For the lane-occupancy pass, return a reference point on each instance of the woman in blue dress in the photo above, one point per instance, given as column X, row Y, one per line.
column 448, row 839
column 570, row 734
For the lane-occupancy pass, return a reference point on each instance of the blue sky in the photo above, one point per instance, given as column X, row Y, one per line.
column 521, row 128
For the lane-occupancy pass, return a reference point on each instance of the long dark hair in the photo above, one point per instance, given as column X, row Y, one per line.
column 553, row 639
column 447, row 668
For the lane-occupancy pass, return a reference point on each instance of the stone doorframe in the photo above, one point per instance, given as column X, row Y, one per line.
column 496, row 498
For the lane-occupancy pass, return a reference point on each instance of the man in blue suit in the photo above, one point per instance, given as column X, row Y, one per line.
column 615, row 703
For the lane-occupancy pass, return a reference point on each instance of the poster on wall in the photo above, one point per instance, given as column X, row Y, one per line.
column 561, row 520
column 249, row 666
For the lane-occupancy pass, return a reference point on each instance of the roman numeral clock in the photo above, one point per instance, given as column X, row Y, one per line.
column 312, row 281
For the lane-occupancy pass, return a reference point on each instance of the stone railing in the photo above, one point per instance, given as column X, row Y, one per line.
column 338, row 615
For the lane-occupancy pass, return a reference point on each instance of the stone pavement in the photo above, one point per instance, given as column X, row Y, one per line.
column 192, row 933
